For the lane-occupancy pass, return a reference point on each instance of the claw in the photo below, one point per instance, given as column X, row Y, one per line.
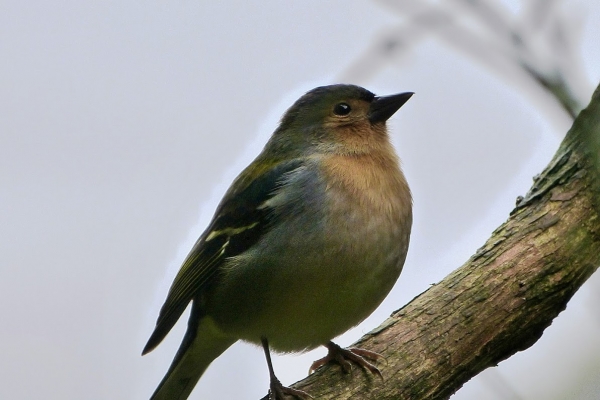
column 276, row 390
column 345, row 358
column 279, row 392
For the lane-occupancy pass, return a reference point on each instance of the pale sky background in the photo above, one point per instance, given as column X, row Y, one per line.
column 123, row 122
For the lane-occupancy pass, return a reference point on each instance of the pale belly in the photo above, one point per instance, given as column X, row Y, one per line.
column 302, row 292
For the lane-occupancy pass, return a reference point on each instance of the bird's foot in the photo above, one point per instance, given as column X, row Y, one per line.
column 279, row 392
column 276, row 390
column 345, row 358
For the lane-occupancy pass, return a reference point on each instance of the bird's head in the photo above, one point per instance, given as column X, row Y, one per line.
column 343, row 119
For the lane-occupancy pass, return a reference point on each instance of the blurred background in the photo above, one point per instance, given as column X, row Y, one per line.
column 122, row 123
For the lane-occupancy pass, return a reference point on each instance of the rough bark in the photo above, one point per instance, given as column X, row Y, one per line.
column 503, row 298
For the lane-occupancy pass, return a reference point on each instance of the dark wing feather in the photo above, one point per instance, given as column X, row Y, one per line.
column 239, row 222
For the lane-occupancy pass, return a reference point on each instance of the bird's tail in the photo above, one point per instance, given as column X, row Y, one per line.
column 202, row 343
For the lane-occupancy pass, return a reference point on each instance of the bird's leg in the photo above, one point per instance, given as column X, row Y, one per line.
column 345, row 357
column 277, row 391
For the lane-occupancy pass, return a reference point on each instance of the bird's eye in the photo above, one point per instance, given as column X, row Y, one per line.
column 342, row 109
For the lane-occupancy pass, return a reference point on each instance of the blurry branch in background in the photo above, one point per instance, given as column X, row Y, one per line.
column 503, row 298
column 539, row 47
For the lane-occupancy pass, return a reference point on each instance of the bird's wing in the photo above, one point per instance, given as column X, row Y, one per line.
column 239, row 222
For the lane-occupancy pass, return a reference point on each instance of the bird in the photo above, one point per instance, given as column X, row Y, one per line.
column 306, row 243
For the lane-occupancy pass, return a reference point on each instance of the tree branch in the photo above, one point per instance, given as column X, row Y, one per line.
column 502, row 299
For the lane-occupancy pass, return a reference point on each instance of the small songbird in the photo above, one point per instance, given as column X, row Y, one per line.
column 307, row 242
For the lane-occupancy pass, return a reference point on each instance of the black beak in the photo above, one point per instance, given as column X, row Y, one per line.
column 383, row 107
